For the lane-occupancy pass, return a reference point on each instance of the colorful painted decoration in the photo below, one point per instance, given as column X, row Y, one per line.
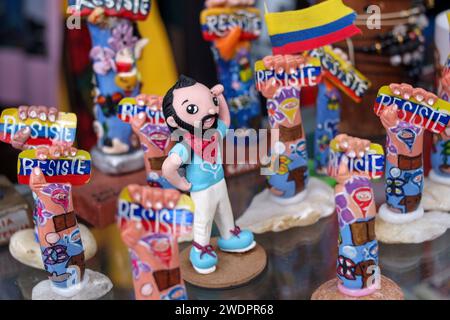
column 357, row 263
column 218, row 22
column 128, row 108
column 74, row 170
column 291, row 176
column 328, row 117
column 341, row 73
column 177, row 222
column 440, row 156
column 405, row 122
column 371, row 165
column 434, row 118
column 308, row 75
column 129, row 9
column 116, row 48
column 322, row 24
column 58, row 234
column 42, row 132
column 154, row 136
column 154, row 248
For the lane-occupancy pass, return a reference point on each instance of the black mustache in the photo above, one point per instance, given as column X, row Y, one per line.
column 210, row 116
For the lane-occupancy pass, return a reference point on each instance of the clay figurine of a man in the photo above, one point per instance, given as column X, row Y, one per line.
column 201, row 116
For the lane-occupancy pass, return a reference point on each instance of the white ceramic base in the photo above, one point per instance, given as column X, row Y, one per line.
column 390, row 216
column 117, row 164
column 289, row 201
column 436, row 193
column 438, row 179
column 26, row 250
column 429, row 227
column 265, row 215
column 94, row 286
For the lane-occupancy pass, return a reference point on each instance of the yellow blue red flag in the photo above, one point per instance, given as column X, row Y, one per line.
column 319, row 25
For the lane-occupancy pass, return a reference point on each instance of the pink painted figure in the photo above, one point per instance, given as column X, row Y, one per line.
column 19, row 141
column 201, row 117
column 283, row 106
column 154, row 255
column 440, row 156
column 32, row 112
column 357, row 263
column 155, row 140
column 58, row 232
column 404, row 148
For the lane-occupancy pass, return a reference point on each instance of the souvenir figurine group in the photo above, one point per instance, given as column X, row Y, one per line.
column 179, row 138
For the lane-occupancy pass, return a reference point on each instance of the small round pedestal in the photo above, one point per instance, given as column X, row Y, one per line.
column 264, row 214
column 24, row 248
column 233, row 269
column 430, row 226
column 329, row 291
column 436, row 192
column 96, row 286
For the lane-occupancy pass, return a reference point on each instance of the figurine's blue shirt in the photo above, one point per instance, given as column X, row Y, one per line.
column 200, row 173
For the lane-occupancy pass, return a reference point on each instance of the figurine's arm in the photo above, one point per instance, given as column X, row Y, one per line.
column 224, row 111
column 32, row 112
column 353, row 148
column 170, row 172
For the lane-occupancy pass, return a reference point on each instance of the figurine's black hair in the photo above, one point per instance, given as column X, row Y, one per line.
column 167, row 106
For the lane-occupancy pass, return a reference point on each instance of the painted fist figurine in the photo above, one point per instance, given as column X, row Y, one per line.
column 357, row 263
column 58, row 232
column 43, row 113
column 154, row 137
column 200, row 115
column 404, row 166
column 153, row 244
column 283, row 105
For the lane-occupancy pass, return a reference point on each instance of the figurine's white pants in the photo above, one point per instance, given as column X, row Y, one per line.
column 212, row 204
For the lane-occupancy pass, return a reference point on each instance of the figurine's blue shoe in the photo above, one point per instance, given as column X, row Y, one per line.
column 203, row 258
column 240, row 241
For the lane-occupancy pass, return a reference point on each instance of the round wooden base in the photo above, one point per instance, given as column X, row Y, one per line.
column 329, row 291
column 233, row 269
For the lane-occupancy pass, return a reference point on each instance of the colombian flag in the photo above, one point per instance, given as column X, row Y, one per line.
column 328, row 22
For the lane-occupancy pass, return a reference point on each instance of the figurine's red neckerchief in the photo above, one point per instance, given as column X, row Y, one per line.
column 203, row 147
